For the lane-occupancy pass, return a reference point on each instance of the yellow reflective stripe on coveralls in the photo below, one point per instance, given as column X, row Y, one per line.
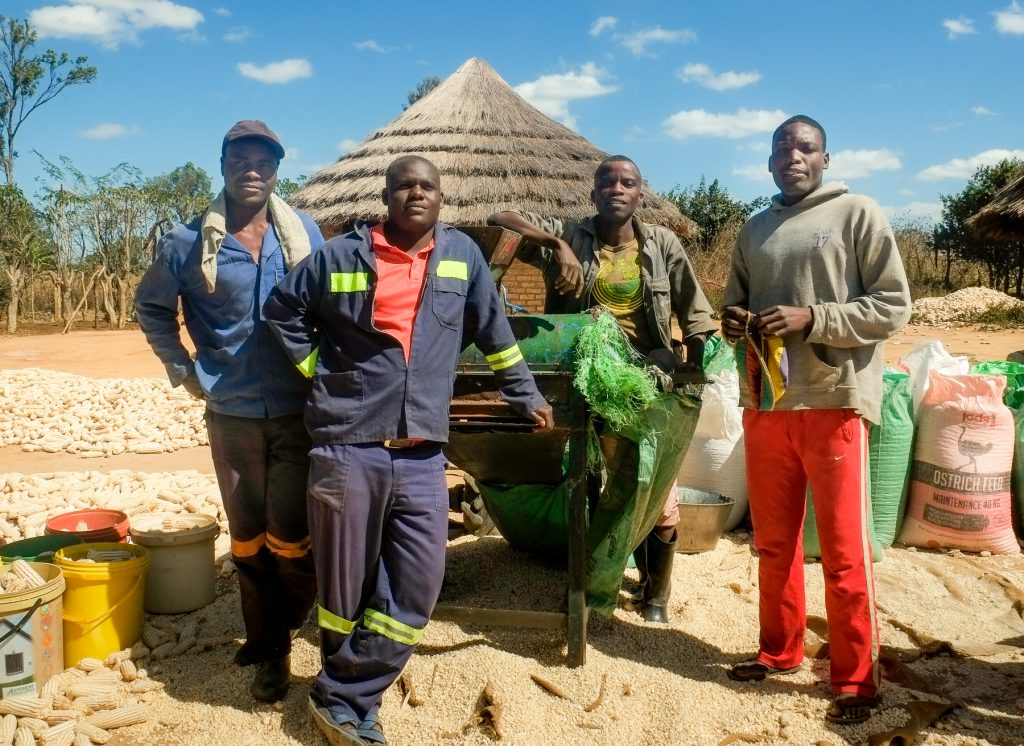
column 333, row 622
column 391, row 628
column 307, row 366
column 505, row 359
column 349, row 282
column 453, row 268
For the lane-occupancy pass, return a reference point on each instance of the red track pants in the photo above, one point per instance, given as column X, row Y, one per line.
column 828, row 449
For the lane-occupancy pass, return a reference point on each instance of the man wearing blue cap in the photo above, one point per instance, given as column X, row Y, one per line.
column 221, row 267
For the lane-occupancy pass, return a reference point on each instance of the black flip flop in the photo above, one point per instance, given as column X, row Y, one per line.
column 850, row 709
column 757, row 671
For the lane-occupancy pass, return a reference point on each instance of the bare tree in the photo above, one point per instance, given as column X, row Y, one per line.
column 20, row 246
column 28, row 81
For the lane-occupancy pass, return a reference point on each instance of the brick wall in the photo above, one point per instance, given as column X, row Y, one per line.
column 525, row 286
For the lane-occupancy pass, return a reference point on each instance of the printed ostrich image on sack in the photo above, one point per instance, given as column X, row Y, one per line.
column 960, row 478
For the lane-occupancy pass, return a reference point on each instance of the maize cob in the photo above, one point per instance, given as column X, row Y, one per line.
column 127, row 670
column 114, row 658
column 189, row 629
column 120, row 717
column 59, row 735
column 23, row 737
column 35, row 725
column 81, row 740
column 8, row 724
column 52, row 717
column 141, row 686
column 53, row 686
column 163, row 650
column 23, row 706
column 103, row 674
column 90, row 664
column 25, row 571
column 92, row 732
column 60, row 702
column 153, row 636
column 184, row 645
column 85, row 688
column 92, row 702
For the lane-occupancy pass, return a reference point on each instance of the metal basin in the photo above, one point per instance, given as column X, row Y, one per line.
column 702, row 518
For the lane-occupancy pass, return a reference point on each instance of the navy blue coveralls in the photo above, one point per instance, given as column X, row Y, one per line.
column 379, row 516
column 254, row 398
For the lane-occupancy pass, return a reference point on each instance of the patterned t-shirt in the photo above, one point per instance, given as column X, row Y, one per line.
column 619, row 288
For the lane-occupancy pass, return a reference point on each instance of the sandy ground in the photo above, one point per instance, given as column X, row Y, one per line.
column 951, row 625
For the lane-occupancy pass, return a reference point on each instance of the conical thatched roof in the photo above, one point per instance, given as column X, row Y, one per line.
column 494, row 152
column 1003, row 217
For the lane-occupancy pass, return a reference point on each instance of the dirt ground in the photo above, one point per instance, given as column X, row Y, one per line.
column 951, row 624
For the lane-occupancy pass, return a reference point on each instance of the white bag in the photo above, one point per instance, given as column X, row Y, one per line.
column 715, row 461
column 926, row 357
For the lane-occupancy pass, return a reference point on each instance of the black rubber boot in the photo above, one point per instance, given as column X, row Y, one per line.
column 658, row 587
column 640, row 560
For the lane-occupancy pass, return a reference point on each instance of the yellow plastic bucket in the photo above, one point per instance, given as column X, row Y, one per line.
column 103, row 600
column 31, row 650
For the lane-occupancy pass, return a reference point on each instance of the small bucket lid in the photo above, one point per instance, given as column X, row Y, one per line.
column 166, row 529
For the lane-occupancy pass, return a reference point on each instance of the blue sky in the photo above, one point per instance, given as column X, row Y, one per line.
column 914, row 95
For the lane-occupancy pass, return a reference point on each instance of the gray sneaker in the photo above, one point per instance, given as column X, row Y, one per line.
column 337, row 733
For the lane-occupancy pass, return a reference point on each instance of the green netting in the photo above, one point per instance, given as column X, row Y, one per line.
column 607, row 374
column 654, row 430
column 1017, row 470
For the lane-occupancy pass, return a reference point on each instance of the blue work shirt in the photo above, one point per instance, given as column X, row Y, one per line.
column 363, row 389
column 242, row 369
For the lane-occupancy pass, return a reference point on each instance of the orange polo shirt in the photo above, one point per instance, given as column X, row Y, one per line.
column 399, row 287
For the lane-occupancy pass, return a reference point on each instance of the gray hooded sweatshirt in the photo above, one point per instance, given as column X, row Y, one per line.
column 835, row 253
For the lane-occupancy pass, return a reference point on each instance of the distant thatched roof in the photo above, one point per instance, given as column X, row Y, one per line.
column 1003, row 217
column 494, row 152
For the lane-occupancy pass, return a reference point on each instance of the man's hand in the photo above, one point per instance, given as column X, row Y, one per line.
column 570, row 271
column 664, row 359
column 734, row 323
column 544, row 417
column 783, row 321
column 191, row 384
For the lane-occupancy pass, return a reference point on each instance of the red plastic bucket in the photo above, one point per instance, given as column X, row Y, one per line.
column 93, row 525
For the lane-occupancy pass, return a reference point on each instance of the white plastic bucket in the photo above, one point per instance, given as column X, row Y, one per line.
column 181, row 576
column 31, row 634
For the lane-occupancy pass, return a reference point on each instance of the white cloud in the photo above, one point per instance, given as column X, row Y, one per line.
column 369, row 45
column 959, row 26
column 222, row 12
column 946, row 127
column 638, row 42
column 290, row 154
column 857, row 164
column 928, row 212
column 702, row 75
column 552, row 93
column 109, row 131
column 347, row 144
column 603, row 24
column 907, row 192
column 1010, row 20
column 981, row 111
column 112, row 22
column 754, row 173
column 754, row 146
column 238, row 33
column 284, row 71
column 743, row 123
column 964, row 168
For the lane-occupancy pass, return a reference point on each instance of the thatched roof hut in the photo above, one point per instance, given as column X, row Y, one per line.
column 1003, row 217
column 494, row 152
